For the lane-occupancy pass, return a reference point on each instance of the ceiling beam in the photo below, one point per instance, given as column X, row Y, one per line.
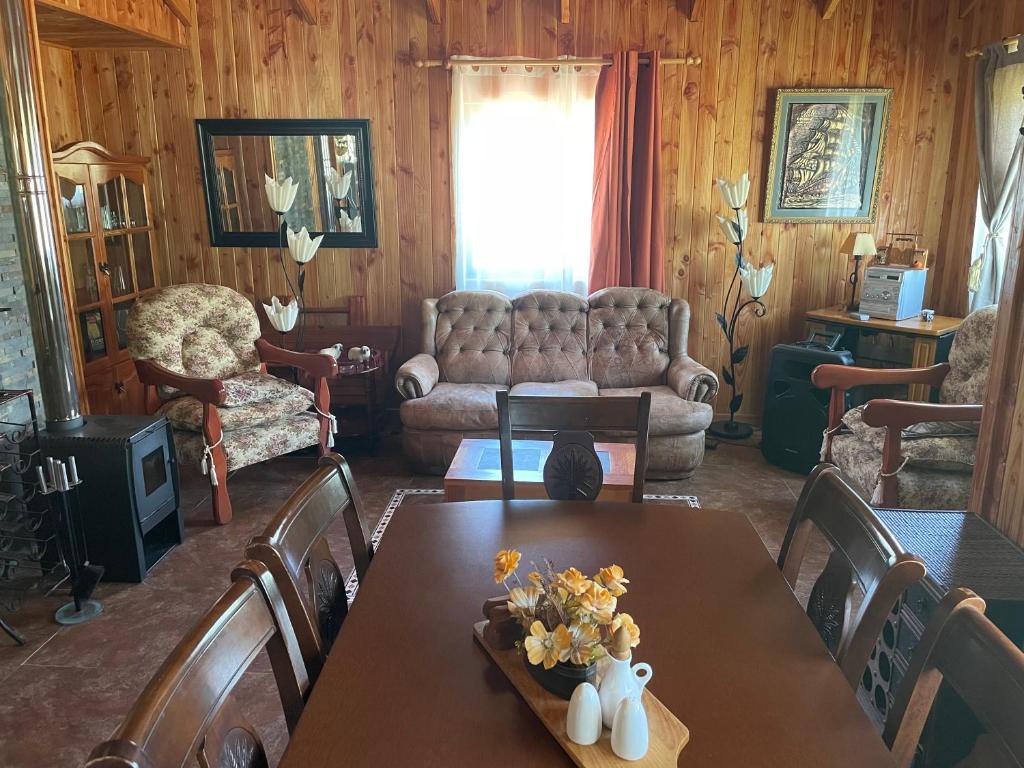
column 565, row 12
column 305, row 9
column 966, row 6
column 180, row 9
column 434, row 11
column 828, row 8
column 694, row 9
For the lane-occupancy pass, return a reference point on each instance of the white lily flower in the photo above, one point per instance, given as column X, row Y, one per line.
column 735, row 193
column 282, row 316
column 735, row 231
column 280, row 194
column 346, row 224
column 302, row 246
column 756, row 280
column 339, row 184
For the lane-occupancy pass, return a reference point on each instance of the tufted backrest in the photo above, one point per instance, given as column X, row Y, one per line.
column 549, row 337
column 634, row 334
column 472, row 337
column 195, row 329
column 969, row 358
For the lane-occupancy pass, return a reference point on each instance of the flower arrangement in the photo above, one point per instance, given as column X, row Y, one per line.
column 566, row 616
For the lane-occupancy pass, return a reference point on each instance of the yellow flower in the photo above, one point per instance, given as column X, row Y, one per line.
column 625, row 620
column 535, row 579
column 547, row 648
column 522, row 603
column 598, row 601
column 612, row 578
column 573, row 581
column 584, row 639
column 505, row 564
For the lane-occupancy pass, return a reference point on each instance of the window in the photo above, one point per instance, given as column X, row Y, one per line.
column 523, row 165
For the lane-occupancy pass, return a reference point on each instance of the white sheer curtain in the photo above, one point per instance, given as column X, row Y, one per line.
column 523, row 164
column 999, row 111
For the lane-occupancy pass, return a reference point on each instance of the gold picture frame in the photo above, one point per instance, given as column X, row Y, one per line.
column 827, row 155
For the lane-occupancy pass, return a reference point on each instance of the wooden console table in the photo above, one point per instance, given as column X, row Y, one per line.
column 931, row 340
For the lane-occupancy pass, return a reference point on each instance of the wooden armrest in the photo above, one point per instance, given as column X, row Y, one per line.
column 204, row 390
column 313, row 363
column 831, row 376
column 900, row 414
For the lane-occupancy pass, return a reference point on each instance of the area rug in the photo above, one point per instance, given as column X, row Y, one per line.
column 436, row 495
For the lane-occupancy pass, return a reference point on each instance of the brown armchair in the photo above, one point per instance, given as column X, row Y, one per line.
column 198, row 350
column 912, row 454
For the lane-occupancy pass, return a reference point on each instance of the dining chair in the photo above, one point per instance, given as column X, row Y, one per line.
column 294, row 548
column 863, row 553
column 565, row 475
column 963, row 649
column 187, row 713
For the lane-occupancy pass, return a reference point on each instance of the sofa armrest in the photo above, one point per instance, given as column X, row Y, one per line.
column 417, row 376
column 204, row 390
column 691, row 380
column 314, row 363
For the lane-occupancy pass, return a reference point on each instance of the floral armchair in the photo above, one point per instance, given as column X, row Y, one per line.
column 198, row 350
column 913, row 455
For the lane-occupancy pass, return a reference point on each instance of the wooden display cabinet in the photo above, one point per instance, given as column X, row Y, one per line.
column 108, row 227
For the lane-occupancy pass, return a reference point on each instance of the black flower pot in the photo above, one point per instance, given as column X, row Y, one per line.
column 562, row 679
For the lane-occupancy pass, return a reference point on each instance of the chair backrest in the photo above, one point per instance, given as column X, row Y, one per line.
column 525, row 413
column 969, row 359
column 194, row 329
column 294, row 547
column 864, row 553
column 634, row 334
column 187, row 712
column 549, row 337
column 985, row 669
column 469, row 333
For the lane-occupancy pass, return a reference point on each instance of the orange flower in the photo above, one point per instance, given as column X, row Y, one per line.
column 522, row 603
column 535, row 578
column 613, row 579
column 505, row 564
column 585, row 639
column 625, row 620
column 573, row 581
column 547, row 648
column 599, row 602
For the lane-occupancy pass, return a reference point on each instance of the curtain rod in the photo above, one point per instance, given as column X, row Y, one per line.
column 506, row 62
column 1009, row 43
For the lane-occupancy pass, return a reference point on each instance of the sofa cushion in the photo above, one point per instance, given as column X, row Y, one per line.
column 670, row 414
column 629, row 337
column 969, row 359
column 473, row 337
column 454, row 407
column 250, row 445
column 569, row 388
column 256, row 387
column 549, row 337
column 187, row 412
column 936, row 445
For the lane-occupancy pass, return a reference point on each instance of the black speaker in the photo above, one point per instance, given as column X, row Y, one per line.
column 795, row 411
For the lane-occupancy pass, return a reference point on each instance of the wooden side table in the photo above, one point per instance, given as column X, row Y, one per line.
column 475, row 472
column 931, row 340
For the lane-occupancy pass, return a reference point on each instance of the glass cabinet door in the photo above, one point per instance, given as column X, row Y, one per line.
column 94, row 343
column 83, row 271
column 121, row 310
column 118, row 266
column 135, row 194
column 73, row 205
column 111, row 197
column 144, row 275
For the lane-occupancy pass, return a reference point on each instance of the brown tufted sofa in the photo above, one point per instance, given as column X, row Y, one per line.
column 617, row 342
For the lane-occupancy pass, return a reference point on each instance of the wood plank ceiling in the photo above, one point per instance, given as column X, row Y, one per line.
column 252, row 60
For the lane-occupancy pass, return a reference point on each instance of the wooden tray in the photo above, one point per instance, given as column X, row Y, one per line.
column 668, row 736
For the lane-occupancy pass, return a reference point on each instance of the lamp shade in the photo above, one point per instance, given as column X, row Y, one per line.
column 859, row 244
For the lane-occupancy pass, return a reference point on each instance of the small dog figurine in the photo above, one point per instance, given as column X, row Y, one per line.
column 360, row 354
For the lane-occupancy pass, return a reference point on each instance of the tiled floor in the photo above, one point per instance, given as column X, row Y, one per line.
column 70, row 687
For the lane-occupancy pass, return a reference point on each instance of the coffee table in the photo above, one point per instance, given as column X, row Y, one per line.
column 475, row 472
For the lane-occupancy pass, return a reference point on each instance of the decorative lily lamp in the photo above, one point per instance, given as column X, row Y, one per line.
column 858, row 245
column 748, row 285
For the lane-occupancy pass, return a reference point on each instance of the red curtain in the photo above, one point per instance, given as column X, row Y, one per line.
column 627, row 232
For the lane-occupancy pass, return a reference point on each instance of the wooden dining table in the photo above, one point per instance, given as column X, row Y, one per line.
column 734, row 656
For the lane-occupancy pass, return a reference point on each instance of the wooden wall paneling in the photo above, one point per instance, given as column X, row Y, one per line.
column 91, row 23
column 263, row 60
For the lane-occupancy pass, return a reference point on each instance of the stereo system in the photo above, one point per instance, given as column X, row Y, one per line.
column 893, row 293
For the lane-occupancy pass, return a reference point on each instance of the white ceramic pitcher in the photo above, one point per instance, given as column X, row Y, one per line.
column 621, row 678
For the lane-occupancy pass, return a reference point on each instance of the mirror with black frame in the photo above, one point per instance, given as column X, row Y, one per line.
column 328, row 160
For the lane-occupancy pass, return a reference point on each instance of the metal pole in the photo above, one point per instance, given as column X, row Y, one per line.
column 33, row 216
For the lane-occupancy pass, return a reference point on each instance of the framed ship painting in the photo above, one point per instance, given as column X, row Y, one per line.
column 826, row 155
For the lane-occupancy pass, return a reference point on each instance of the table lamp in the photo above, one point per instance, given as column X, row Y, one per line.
column 858, row 245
